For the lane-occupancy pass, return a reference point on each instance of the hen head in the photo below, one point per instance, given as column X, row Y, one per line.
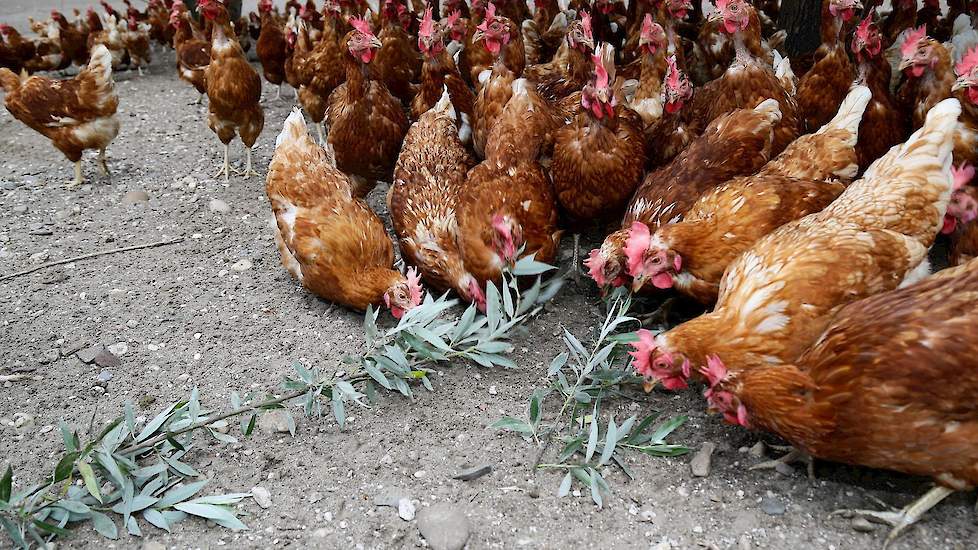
column 395, row 11
column 456, row 25
column 676, row 88
column 844, row 9
column 362, row 43
column 405, row 294
column 493, row 31
column 679, row 8
column 734, row 14
column 264, row 6
column 719, row 399
column 580, row 35
column 6, row 30
column 866, row 39
column 656, row 364
column 963, row 206
column 653, row 37
column 918, row 52
column 507, row 237
column 598, row 98
column 604, row 266
column 212, row 10
column 605, row 6
column 649, row 259
column 471, row 291
column 967, row 71
column 429, row 37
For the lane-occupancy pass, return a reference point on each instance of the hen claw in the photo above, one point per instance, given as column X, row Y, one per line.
column 793, row 456
column 900, row 519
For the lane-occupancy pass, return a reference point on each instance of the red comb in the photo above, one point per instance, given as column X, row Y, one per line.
column 361, row 24
column 968, row 63
column 427, row 27
column 910, row 44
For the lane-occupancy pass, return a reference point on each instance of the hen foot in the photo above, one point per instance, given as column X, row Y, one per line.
column 103, row 164
column 794, row 456
column 901, row 519
column 226, row 168
column 78, row 176
column 248, row 171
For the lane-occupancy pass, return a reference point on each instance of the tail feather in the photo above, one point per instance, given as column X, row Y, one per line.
column 850, row 113
column 444, row 105
column 934, row 141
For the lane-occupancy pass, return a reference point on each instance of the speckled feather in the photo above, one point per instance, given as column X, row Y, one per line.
column 890, row 384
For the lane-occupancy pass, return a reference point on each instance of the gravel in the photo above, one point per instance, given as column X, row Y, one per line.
column 243, row 331
column 444, row 526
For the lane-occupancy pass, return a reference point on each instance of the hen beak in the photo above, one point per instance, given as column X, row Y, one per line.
column 905, row 64
column 963, row 83
column 638, row 283
column 714, row 17
column 375, row 42
column 477, row 36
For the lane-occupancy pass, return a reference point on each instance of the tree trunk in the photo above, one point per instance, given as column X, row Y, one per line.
column 802, row 20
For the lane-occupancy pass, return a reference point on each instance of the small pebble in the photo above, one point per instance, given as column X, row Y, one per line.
column 241, row 265
column 700, row 465
column 405, row 509
column 862, row 525
column 757, row 451
column 772, row 506
column 119, row 349
column 262, row 497
column 218, row 206
column 134, row 197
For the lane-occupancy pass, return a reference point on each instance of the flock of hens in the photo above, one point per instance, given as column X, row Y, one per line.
column 797, row 198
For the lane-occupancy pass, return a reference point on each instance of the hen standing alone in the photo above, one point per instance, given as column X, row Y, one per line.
column 74, row 114
column 233, row 89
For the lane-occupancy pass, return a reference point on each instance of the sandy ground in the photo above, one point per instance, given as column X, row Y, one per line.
column 188, row 319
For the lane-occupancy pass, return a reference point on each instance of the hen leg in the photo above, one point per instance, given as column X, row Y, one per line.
column 659, row 317
column 78, row 175
column 226, row 169
column 139, row 68
column 901, row 519
column 319, row 130
column 278, row 95
column 576, row 261
column 793, row 456
column 200, row 99
column 248, row 171
column 102, row 162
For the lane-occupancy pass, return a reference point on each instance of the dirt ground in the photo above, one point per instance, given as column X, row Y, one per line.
column 187, row 318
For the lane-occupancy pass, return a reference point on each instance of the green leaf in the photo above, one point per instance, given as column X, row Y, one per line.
column 133, row 527
column 528, row 265
column 592, row 440
column 610, row 441
column 225, row 438
column 624, row 338
column 666, row 428
column 339, row 410
column 570, row 448
column 179, row 493
column 582, row 397
column 155, row 424
column 155, row 518
column 565, row 485
column 6, row 484
column 534, row 411
column 71, row 440
column 596, row 489
column 65, row 466
column 601, row 356
column 130, row 418
column 138, row 502
column 376, row 375
column 514, row 424
column 104, row 525
column 557, row 364
column 304, row 374
column 636, row 434
column 88, row 476
column 73, row 506
column 107, row 462
column 13, row 532
column 464, row 322
column 182, row 467
column 507, row 300
column 229, row 498
column 53, row 529
column 290, row 422
column 492, row 306
column 251, row 425
column 217, row 514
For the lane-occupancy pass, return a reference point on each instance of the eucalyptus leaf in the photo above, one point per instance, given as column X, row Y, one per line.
column 565, row 485
column 104, row 525
column 592, row 440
